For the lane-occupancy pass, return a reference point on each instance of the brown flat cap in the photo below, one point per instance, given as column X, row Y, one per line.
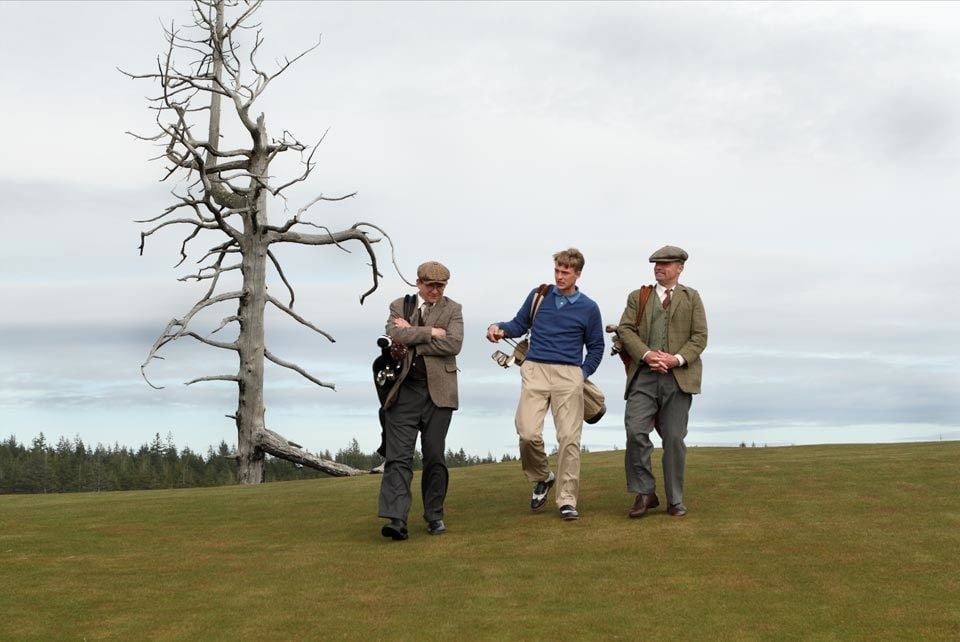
column 668, row 254
column 433, row 272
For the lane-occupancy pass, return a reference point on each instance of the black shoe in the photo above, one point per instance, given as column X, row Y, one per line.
column 540, row 490
column 396, row 529
column 436, row 527
column 569, row 513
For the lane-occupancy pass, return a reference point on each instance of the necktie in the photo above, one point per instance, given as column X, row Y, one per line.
column 666, row 299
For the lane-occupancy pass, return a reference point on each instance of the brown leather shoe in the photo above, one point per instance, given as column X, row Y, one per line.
column 643, row 503
column 677, row 510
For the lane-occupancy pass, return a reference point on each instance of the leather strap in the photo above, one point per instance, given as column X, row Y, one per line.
column 542, row 290
column 645, row 291
column 409, row 306
column 537, row 300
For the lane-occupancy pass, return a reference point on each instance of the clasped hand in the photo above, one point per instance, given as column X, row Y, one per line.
column 661, row 361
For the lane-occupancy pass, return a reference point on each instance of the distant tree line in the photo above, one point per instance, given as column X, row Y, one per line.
column 72, row 466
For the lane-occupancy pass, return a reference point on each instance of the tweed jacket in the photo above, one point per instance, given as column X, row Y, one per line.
column 686, row 334
column 439, row 355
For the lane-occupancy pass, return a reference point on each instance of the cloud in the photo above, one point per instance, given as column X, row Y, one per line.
column 804, row 154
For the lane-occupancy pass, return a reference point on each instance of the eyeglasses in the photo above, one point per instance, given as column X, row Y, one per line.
column 435, row 286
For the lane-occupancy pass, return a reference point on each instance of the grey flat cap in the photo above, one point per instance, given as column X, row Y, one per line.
column 433, row 272
column 668, row 254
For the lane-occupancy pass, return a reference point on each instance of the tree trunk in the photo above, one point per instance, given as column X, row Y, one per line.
column 213, row 132
column 251, row 343
column 253, row 247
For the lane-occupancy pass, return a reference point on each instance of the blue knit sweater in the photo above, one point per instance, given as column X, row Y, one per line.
column 559, row 335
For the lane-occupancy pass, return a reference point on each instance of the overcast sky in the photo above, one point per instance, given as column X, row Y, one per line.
column 805, row 155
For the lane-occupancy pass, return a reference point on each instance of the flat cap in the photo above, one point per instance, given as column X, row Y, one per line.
column 668, row 254
column 433, row 272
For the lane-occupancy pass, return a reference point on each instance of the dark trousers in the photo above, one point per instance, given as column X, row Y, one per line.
column 652, row 393
column 412, row 413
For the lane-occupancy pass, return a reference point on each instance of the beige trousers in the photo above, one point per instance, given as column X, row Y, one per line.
column 559, row 388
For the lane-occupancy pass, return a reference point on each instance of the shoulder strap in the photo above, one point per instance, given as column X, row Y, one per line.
column 537, row 300
column 409, row 306
column 644, row 297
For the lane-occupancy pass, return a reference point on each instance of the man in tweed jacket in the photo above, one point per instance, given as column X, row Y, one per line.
column 421, row 402
column 663, row 375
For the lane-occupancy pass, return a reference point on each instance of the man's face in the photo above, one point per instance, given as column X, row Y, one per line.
column 431, row 291
column 565, row 278
column 667, row 272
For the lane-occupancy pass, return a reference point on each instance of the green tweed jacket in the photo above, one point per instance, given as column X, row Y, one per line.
column 439, row 355
column 686, row 334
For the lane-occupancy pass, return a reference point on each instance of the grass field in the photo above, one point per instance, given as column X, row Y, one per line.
column 807, row 543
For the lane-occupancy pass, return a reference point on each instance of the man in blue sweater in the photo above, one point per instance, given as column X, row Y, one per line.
column 553, row 373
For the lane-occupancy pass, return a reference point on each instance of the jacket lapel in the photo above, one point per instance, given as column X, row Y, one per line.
column 433, row 311
column 678, row 292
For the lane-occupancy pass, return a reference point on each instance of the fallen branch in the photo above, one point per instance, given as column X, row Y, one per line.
column 272, row 443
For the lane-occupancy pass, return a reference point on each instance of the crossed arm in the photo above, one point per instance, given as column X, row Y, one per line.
column 434, row 341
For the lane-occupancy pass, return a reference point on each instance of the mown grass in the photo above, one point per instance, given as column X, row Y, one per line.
column 811, row 543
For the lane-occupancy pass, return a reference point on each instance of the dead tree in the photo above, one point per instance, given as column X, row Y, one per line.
column 226, row 192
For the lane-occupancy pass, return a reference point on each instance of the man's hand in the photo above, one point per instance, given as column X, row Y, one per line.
column 494, row 333
column 667, row 360
column 439, row 333
column 400, row 322
column 658, row 361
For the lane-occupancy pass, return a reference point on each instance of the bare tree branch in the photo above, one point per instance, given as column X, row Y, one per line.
column 393, row 257
column 308, row 169
column 297, row 369
column 183, row 246
column 216, row 276
column 224, row 322
column 224, row 377
column 176, row 221
column 300, row 319
column 296, row 219
column 216, row 344
column 226, row 167
column 225, row 248
column 167, row 335
column 330, row 238
column 199, row 276
column 283, row 277
column 272, row 443
column 183, row 202
column 351, row 234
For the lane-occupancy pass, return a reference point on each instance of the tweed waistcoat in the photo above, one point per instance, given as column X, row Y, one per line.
column 658, row 324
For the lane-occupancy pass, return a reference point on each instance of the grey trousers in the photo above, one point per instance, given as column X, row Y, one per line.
column 649, row 393
column 412, row 413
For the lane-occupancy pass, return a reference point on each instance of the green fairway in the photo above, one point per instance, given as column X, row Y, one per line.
column 816, row 542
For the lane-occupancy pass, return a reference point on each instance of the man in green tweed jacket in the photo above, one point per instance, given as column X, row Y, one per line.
column 663, row 375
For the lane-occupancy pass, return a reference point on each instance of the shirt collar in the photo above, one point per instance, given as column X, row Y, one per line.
column 562, row 300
